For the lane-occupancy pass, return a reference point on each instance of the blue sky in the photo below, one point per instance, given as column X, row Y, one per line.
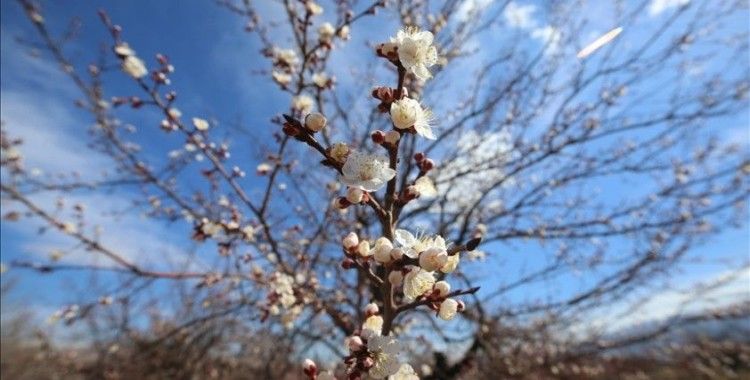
column 216, row 76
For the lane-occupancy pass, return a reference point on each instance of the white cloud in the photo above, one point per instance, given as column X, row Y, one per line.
column 469, row 8
column 715, row 291
column 54, row 141
column 658, row 6
column 548, row 36
column 520, row 16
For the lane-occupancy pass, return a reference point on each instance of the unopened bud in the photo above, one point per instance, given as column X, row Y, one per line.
column 392, row 137
column 442, row 288
column 354, row 195
column 315, row 122
column 350, row 241
column 371, row 309
column 419, row 157
column 309, row 368
column 427, row 165
column 378, row 137
column 348, row 263
column 396, row 278
column 364, row 249
column 354, row 343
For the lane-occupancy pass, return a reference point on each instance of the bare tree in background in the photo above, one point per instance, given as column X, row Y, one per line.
column 365, row 224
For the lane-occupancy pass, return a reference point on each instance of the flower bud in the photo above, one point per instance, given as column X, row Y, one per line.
column 392, row 137
column 442, row 288
column 419, row 157
column 350, row 241
column 200, row 124
column 364, row 249
column 427, row 165
column 461, row 306
column 290, row 130
column 367, row 363
column 354, row 195
column 382, row 250
column 371, row 309
column 433, row 259
column 378, row 137
column 448, row 309
column 348, row 263
column 309, row 368
column 339, row 152
column 315, row 122
column 396, row 278
column 354, row 343
column 410, row 193
column 397, row 253
column 341, row 203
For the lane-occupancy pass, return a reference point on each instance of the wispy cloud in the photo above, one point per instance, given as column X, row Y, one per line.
column 657, row 7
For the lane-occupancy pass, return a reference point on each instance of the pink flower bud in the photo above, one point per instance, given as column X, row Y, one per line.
column 350, row 241
column 368, row 363
column 309, row 368
column 378, row 137
column 348, row 263
column 315, row 122
column 354, row 343
column 392, row 137
column 371, row 309
column 354, row 195
column 427, row 165
column 419, row 157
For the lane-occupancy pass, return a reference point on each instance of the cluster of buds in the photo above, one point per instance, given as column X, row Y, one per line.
column 354, row 196
column 425, row 164
column 134, row 101
column 314, row 122
column 161, row 75
column 388, row 95
column 387, row 139
column 382, row 250
column 206, row 229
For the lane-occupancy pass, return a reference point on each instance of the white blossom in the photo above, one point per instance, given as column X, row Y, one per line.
column 425, row 187
column 373, row 326
column 433, row 259
column 442, row 288
column 281, row 78
column 287, row 57
column 350, row 241
column 200, row 124
column 313, row 7
column 326, row 31
column 405, row 372
column 369, row 172
column 407, row 113
column 451, row 263
column 340, row 151
column 134, row 67
column 385, row 353
column 344, row 32
column 417, row 282
column 382, row 250
column 415, row 51
column 448, row 309
column 364, row 249
column 320, row 79
column 302, row 103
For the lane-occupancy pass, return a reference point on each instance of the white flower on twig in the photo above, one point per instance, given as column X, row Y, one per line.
column 405, row 372
column 417, row 282
column 368, row 172
column 407, row 113
column 415, row 51
column 385, row 354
